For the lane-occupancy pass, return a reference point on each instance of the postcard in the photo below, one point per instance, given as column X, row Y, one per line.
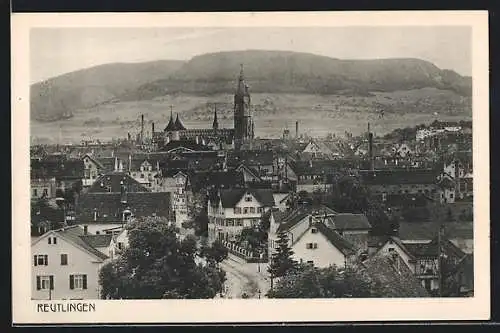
column 265, row 167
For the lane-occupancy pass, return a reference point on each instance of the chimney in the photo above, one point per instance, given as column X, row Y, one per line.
column 95, row 214
column 142, row 128
column 152, row 132
column 129, row 162
column 116, row 163
column 297, row 129
column 197, row 140
column 112, row 153
column 85, row 230
column 123, row 189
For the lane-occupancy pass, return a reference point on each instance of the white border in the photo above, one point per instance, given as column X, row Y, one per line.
column 197, row 311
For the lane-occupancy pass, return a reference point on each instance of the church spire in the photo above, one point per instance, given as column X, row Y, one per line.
column 170, row 125
column 215, row 124
column 241, row 88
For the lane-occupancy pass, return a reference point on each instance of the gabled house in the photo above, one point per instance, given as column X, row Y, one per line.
column 175, row 183
column 422, row 258
column 311, row 240
column 232, row 210
column 65, row 265
column 145, row 171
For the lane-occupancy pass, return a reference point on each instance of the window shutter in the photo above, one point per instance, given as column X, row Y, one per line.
column 35, row 257
column 71, row 282
column 85, row 281
column 46, row 259
column 51, row 282
column 38, row 287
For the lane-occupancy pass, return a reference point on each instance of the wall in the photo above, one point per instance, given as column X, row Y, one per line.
column 79, row 262
column 403, row 255
column 278, row 197
column 41, row 185
column 323, row 256
column 91, row 171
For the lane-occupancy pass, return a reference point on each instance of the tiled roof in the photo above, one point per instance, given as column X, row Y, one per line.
column 349, row 221
column 431, row 249
column 338, row 241
column 190, row 145
column 110, row 207
column 60, row 169
column 230, row 197
column 289, row 220
column 97, row 240
column 216, row 179
column 321, row 167
column 429, row 230
column 114, row 181
column 395, row 280
column 74, row 234
column 399, row 176
column 250, row 157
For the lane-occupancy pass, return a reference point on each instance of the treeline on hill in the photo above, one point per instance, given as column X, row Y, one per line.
column 409, row 133
column 265, row 71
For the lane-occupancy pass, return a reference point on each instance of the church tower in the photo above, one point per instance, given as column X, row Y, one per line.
column 215, row 125
column 243, row 123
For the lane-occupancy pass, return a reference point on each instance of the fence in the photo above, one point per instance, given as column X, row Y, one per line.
column 241, row 252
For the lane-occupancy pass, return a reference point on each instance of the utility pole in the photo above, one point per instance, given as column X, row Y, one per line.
column 440, row 266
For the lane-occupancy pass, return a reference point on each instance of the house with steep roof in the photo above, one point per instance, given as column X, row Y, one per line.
column 422, row 258
column 311, row 240
column 175, row 182
column 232, row 210
column 392, row 276
column 348, row 232
column 66, row 264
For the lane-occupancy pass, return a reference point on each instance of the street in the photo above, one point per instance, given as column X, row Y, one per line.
column 244, row 278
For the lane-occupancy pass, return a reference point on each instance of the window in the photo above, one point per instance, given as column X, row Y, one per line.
column 245, row 210
column 260, row 209
column 120, row 246
column 314, row 231
column 248, row 198
column 309, row 245
column 142, row 175
column 252, row 210
column 239, row 222
column 237, row 210
column 78, row 281
column 391, row 250
column 41, row 260
column 310, row 262
column 35, row 192
column 49, row 240
column 54, row 240
column 64, row 259
column 45, row 192
column 314, row 245
column 44, row 282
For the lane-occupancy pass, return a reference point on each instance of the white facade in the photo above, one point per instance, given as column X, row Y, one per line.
column 314, row 248
column 227, row 223
column 146, row 175
column 77, row 279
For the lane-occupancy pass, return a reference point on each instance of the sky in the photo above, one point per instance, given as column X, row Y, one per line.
column 55, row 51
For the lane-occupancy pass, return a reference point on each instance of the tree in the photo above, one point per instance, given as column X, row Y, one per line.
column 281, row 261
column 156, row 265
column 311, row 282
column 254, row 238
column 197, row 212
column 215, row 254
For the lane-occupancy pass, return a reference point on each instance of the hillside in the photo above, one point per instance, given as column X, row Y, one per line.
column 59, row 97
column 292, row 72
column 268, row 72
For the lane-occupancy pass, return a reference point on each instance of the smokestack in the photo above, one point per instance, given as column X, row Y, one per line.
column 370, row 147
column 297, row 129
column 153, row 132
column 142, row 128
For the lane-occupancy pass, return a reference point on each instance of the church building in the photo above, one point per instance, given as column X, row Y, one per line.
column 242, row 132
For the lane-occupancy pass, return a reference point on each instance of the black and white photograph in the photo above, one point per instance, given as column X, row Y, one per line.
column 251, row 163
